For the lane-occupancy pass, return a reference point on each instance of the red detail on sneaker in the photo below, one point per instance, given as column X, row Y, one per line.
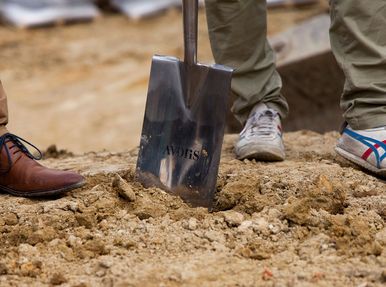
column 367, row 153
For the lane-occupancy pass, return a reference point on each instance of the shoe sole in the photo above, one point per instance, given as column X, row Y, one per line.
column 262, row 155
column 361, row 162
column 46, row 193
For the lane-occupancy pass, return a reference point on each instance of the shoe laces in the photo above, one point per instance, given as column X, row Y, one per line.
column 261, row 124
column 17, row 147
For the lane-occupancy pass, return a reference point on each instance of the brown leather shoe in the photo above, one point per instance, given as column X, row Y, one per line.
column 21, row 175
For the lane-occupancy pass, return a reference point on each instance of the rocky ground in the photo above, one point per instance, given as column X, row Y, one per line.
column 313, row 220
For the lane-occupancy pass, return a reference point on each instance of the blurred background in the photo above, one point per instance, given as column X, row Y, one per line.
column 76, row 72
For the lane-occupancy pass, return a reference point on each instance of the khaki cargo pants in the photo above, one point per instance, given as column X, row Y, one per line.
column 238, row 34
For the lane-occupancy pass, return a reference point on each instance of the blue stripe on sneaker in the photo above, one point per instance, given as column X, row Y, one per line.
column 365, row 141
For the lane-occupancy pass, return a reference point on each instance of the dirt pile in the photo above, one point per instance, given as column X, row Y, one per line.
column 313, row 220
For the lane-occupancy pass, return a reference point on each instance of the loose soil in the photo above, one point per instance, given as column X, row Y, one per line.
column 313, row 220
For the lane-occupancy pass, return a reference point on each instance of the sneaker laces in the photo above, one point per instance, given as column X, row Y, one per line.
column 261, row 124
column 17, row 147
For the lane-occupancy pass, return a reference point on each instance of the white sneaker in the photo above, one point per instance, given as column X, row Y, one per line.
column 261, row 138
column 366, row 148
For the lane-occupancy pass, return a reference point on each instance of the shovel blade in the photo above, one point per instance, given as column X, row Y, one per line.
column 183, row 129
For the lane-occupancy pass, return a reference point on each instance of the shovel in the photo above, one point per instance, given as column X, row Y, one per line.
column 184, row 122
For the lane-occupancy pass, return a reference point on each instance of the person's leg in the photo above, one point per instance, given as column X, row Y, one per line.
column 358, row 41
column 20, row 174
column 238, row 35
column 3, row 111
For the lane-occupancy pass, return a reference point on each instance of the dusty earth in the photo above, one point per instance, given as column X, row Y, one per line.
column 313, row 220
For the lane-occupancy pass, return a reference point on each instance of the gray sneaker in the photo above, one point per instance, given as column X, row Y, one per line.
column 29, row 13
column 366, row 148
column 261, row 138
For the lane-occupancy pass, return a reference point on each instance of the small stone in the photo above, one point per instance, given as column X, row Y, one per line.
column 245, row 225
column 85, row 220
column 212, row 235
column 42, row 235
column 317, row 276
column 275, row 229
column 192, row 224
column 37, row 264
column 74, row 241
column 10, row 218
column 267, row 274
column 274, row 238
column 108, row 282
column 27, row 250
column 3, row 269
column 143, row 215
column 129, row 244
column 273, row 213
column 106, row 262
column 101, row 273
column 58, row 279
column 46, row 209
column 233, row 218
column 73, row 206
column 324, row 247
column 381, row 237
column 383, row 275
column 252, row 253
column 123, row 188
column 55, row 242
column 104, row 225
column 31, row 269
column 96, row 245
column 301, row 276
column 125, row 242
column 260, row 225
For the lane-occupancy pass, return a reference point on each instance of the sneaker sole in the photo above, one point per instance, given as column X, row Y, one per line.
column 262, row 154
column 361, row 162
column 46, row 193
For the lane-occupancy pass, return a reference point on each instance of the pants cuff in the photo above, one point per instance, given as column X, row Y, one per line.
column 283, row 111
column 367, row 123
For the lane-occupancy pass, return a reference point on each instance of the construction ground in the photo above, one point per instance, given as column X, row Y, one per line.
column 312, row 220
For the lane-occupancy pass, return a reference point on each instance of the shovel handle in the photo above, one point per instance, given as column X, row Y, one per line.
column 190, row 12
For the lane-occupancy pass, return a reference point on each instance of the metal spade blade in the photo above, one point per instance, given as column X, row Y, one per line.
column 184, row 121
